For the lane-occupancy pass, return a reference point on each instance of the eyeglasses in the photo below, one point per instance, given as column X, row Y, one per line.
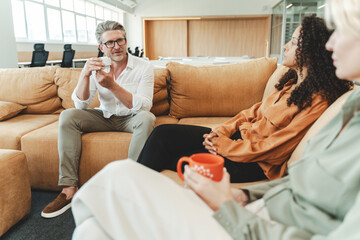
column 111, row 44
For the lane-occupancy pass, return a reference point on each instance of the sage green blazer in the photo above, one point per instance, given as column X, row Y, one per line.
column 319, row 199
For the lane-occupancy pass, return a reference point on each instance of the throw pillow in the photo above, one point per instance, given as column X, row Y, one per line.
column 32, row 87
column 217, row 90
column 9, row 109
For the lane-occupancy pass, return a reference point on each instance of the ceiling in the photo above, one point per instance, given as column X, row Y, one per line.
column 126, row 5
column 130, row 5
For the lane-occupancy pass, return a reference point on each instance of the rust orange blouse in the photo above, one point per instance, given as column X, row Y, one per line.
column 270, row 131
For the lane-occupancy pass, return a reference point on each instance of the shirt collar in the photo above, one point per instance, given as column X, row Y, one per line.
column 130, row 63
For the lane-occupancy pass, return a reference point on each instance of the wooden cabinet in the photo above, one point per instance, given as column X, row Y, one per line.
column 213, row 37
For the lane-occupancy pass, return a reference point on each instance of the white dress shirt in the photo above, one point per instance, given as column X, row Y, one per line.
column 137, row 78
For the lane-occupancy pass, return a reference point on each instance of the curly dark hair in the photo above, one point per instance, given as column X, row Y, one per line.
column 321, row 78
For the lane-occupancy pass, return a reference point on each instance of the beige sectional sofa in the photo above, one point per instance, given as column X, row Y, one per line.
column 31, row 100
column 206, row 95
column 199, row 95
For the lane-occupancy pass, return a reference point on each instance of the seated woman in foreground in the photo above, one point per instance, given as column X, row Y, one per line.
column 257, row 142
column 319, row 199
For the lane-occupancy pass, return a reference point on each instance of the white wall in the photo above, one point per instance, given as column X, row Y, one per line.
column 188, row 8
column 133, row 26
column 8, row 58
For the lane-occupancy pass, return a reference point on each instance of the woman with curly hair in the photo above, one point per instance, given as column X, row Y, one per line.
column 258, row 141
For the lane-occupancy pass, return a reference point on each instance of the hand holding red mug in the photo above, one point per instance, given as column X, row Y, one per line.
column 206, row 164
column 213, row 187
column 212, row 193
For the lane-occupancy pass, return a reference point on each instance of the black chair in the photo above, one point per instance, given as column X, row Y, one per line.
column 68, row 56
column 100, row 53
column 39, row 56
column 137, row 51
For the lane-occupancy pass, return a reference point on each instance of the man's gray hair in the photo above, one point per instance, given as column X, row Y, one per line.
column 108, row 26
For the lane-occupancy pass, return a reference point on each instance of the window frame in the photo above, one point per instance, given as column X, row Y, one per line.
column 111, row 9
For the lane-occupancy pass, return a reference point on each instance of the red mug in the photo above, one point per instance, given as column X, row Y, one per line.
column 208, row 165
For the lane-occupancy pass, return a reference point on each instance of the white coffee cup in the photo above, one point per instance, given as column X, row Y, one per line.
column 107, row 62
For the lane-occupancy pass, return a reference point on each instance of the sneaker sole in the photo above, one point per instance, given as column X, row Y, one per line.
column 57, row 213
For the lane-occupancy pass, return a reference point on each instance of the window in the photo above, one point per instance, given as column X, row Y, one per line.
column 81, row 28
column 107, row 14
column 98, row 21
column 90, row 9
column 91, row 23
column 69, row 21
column 54, row 3
column 19, row 19
column 79, row 6
column 54, row 24
column 35, row 21
column 67, row 4
column 68, row 26
column 99, row 12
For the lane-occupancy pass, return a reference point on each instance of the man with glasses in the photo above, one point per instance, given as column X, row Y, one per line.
column 125, row 93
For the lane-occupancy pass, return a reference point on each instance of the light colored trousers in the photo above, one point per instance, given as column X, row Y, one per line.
column 74, row 122
column 126, row 200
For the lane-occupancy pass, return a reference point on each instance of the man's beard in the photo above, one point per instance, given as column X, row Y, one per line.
column 117, row 58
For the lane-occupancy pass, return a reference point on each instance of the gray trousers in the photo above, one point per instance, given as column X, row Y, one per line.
column 74, row 122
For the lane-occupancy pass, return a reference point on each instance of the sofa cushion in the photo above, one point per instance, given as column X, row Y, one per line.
column 329, row 113
column 160, row 99
column 217, row 90
column 165, row 119
column 32, row 87
column 15, row 197
column 92, row 160
column 44, row 164
column 98, row 149
column 8, row 110
column 273, row 80
column 13, row 129
column 210, row 122
column 66, row 80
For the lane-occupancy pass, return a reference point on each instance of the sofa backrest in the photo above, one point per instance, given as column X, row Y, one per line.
column 67, row 78
column 273, row 80
column 161, row 98
column 329, row 113
column 221, row 90
column 217, row 90
column 31, row 87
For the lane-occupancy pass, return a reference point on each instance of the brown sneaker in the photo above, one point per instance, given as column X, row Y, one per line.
column 56, row 207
